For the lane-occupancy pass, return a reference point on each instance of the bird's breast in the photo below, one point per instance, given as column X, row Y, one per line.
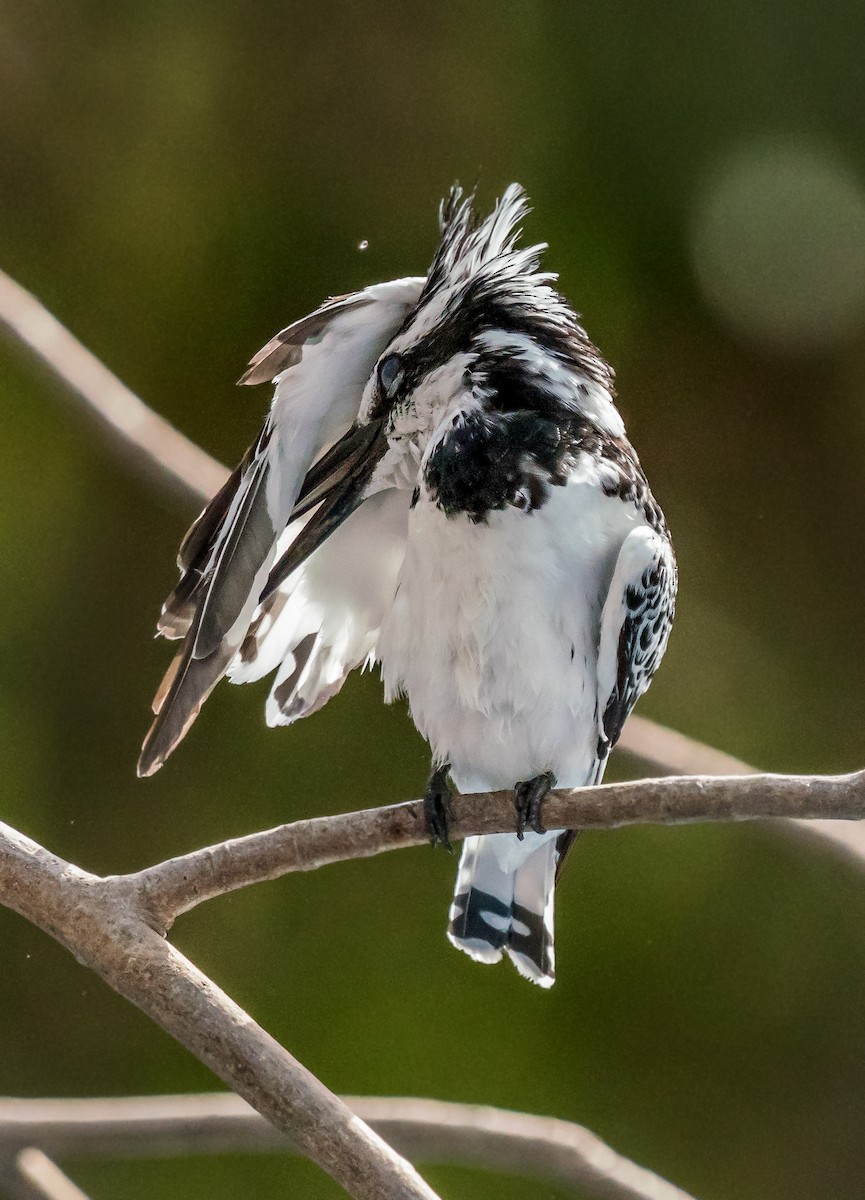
column 493, row 632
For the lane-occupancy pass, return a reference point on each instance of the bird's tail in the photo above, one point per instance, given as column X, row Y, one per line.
column 503, row 902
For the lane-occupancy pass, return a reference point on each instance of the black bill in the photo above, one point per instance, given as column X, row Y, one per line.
column 334, row 487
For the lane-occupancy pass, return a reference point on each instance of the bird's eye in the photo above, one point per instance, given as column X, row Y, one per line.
column 390, row 374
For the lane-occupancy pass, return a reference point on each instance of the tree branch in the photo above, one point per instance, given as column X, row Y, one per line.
column 166, row 455
column 672, row 753
column 175, row 886
column 97, row 922
column 111, row 924
column 31, row 1175
column 100, row 921
column 433, row 1131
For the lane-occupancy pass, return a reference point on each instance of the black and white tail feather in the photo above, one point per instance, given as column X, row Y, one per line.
column 504, row 900
column 443, row 484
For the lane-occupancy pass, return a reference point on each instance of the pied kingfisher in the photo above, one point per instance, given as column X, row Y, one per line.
column 443, row 484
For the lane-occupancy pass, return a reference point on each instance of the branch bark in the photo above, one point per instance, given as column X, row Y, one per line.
column 98, row 922
column 179, row 884
column 432, row 1131
column 167, row 456
column 31, row 1175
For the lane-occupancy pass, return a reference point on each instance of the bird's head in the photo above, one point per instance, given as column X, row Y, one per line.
column 488, row 333
column 488, row 326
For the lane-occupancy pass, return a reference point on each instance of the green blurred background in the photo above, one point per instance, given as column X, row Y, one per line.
column 177, row 181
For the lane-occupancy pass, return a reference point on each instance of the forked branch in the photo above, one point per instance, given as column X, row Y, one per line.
column 98, row 922
column 114, row 925
column 110, row 924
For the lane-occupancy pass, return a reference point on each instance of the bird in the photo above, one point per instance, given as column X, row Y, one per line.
column 443, row 485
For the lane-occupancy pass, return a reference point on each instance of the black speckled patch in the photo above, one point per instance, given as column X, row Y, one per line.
column 491, row 460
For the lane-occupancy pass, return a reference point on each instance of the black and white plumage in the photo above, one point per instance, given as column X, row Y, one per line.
column 443, row 485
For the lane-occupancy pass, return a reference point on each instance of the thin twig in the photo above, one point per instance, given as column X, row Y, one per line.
column 13, row 1184
column 44, row 1178
column 175, row 886
column 168, row 456
column 96, row 920
column 672, row 753
column 432, row 1131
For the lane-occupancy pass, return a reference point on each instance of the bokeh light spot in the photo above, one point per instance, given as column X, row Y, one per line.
column 778, row 246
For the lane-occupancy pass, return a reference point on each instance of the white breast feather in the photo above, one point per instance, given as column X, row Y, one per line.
column 494, row 633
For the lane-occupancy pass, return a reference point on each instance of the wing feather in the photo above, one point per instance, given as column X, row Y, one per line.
column 322, row 364
column 286, row 348
column 635, row 626
column 324, row 620
column 247, row 540
column 179, row 609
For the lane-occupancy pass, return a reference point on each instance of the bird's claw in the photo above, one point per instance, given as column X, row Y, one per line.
column 529, row 800
column 438, row 809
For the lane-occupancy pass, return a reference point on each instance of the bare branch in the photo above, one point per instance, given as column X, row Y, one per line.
column 42, row 1179
column 673, row 753
column 166, row 454
column 95, row 920
column 102, row 921
column 175, row 886
column 436, row 1131
column 14, row 1185
column 111, row 924
column 430, row 1130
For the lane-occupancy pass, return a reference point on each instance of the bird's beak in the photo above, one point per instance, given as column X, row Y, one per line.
column 333, row 487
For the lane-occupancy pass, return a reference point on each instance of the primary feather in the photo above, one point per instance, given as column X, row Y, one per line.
column 320, row 366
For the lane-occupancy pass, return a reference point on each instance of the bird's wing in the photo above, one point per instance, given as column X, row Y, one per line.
column 635, row 625
column 320, row 366
column 324, row 619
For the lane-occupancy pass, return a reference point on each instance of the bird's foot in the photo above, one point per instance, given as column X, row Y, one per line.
column 437, row 808
column 529, row 800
